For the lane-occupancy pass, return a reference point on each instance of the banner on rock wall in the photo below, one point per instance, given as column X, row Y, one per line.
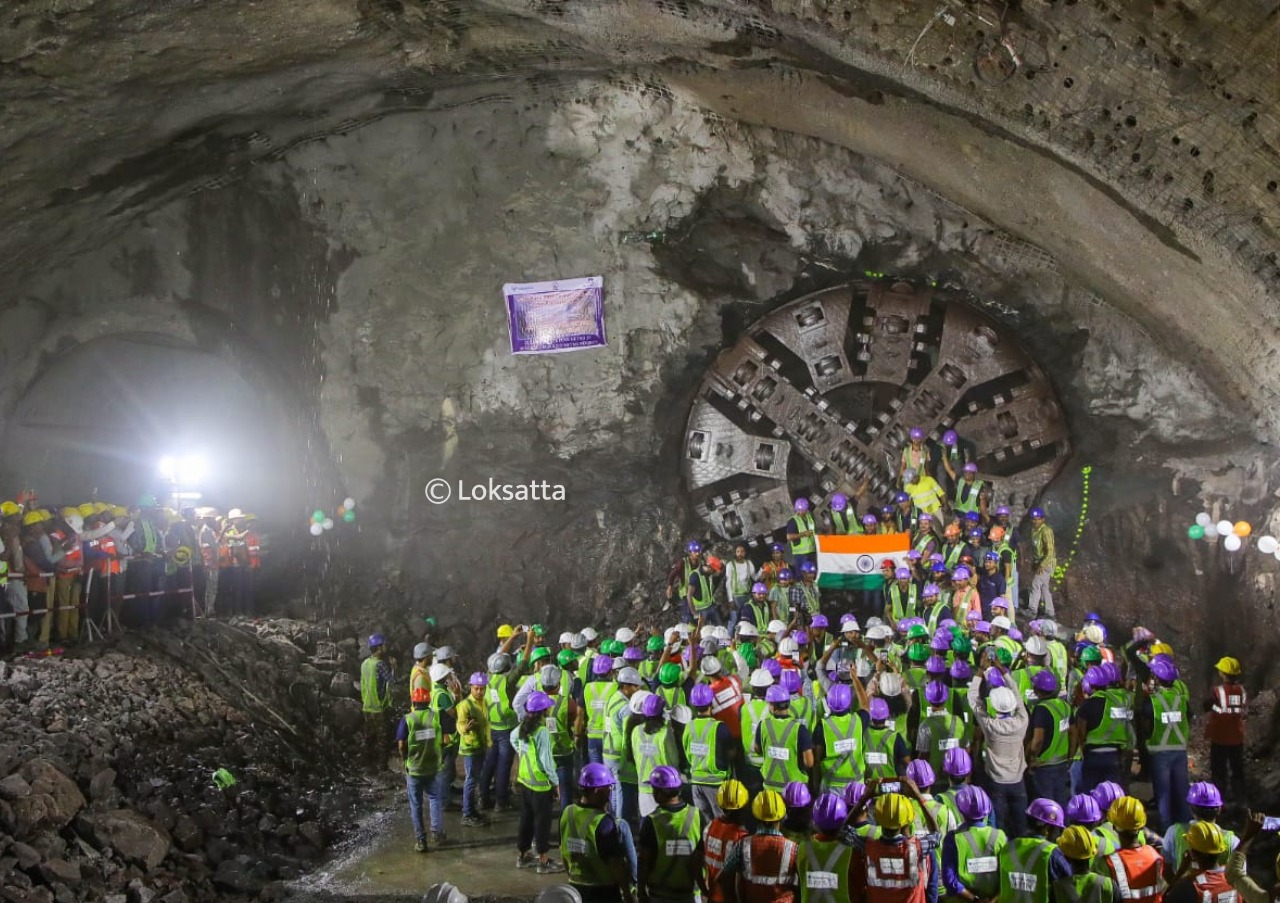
column 549, row 317
column 853, row 562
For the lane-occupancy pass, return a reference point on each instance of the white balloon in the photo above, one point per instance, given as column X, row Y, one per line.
column 1267, row 545
column 1204, row 520
column 316, row 529
column 349, row 503
column 328, row 523
column 1225, row 528
column 1232, row 543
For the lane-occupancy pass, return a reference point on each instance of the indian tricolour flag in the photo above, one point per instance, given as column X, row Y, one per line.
column 853, row 562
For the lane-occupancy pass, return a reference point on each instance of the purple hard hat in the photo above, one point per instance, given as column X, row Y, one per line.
column 973, row 802
column 776, row 547
column 839, row 699
column 972, row 615
column 796, row 795
column 879, row 709
column 538, row 702
column 946, row 622
column 801, row 637
column 902, row 574
column 941, row 641
column 479, row 679
column 653, row 706
column 938, row 568
column 961, row 670
column 900, row 497
column 920, row 771
column 829, row 813
column 664, row 777
column 1096, row 677
column 759, row 588
column 773, row 666
column 776, row 695
column 633, row 654
column 595, row 775
column 1045, row 681
column 1015, row 634
column 1003, row 511
column 693, row 546
column 808, row 567
column 819, row 621
column 970, row 467
column 839, row 501
column 802, row 505
column 854, row 793
column 376, row 640
column 957, row 762
column 962, row 573
column 916, row 434
column 936, row 558
column 914, row 555
column 791, row 681
column 949, row 438
column 930, row 591
column 1082, row 809
column 1036, row 513
column 786, row 574
column 869, row 520
column 981, row 626
column 925, row 518
column 994, row 678
column 1047, row 812
column 935, row 665
column 1106, row 793
column 1204, row 795
column 701, row 696
column 601, row 665
column 936, row 693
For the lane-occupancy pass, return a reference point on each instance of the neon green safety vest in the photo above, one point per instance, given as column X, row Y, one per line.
column 941, row 815
column 803, row 545
column 649, row 670
column 843, row 523
column 706, row 598
column 558, row 725
column 802, row 709
column 812, row 598
column 1109, row 840
column 924, row 539
column 946, row 731
column 951, row 555
column 615, row 718
column 1058, row 660
column 880, row 743
column 1085, row 887
column 752, row 713
column 442, row 700
column 672, row 696
column 966, row 499
column 779, row 743
column 596, row 697
column 899, row 607
column 1024, row 870
column 1022, row 680
column 531, row 774
column 369, row 687
column 940, row 611
column 1116, row 726
column 1180, row 844
column 977, row 849
column 502, row 717
column 422, row 752
column 584, row 665
column 1169, row 713
column 1058, row 744
column 578, row 849
column 700, row 750
column 649, row 751
column 676, row 866
column 822, row 870
column 842, row 756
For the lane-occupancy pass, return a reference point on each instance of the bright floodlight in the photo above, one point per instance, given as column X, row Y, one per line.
column 168, row 467
column 192, row 469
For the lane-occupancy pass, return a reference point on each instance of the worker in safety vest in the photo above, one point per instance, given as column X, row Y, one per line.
column 886, row 751
column 376, row 676
column 755, row 710
column 1049, row 738
column 969, row 854
column 970, row 493
column 722, row 837
column 64, row 535
column 843, row 521
column 1084, row 885
column 670, row 844
column 539, row 782
column 922, row 774
column 840, row 736
column 210, row 538
column 1162, row 726
column 504, row 673
column 1083, row 811
column 940, row 729
column 710, row 750
column 1044, row 558
column 783, row 742
column 1225, row 728
column 618, row 717
column 1030, row 865
column 1103, row 729
column 419, row 675
column 761, row 868
column 902, row 598
column 768, row 573
column 418, row 741
column 1136, row 868
column 474, row 740
column 826, row 867
column 899, row 864
column 726, row 695
column 682, row 570
column 1204, row 802
column 801, row 533
column 915, row 455
column 651, row 745
column 926, row 495
column 596, row 693
column 1202, row 876
column 591, row 845
column 1104, row 795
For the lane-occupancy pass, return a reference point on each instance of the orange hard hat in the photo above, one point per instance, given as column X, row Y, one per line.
column 421, row 694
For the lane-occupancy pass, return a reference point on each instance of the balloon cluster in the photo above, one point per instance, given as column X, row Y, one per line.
column 1233, row 535
column 321, row 522
column 1060, row 572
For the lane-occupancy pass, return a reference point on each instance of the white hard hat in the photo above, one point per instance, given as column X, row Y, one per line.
column 630, row 676
column 421, row 651
column 579, row 641
column 890, row 684
column 745, row 629
column 234, row 513
column 879, row 632
column 849, row 624
column 445, row 893
column 788, row 647
column 439, row 672
column 549, row 676
column 670, row 636
column 1003, row 700
column 711, row 666
column 565, row 637
column 75, row 522
column 1048, row 627
column 761, row 678
column 589, row 633
column 1037, row 646
column 558, row 893
column 873, row 621
column 1002, row 622
column 1093, row 633
column 624, row 635
column 683, row 630
column 776, row 626
column 636, row 703
column 444, row 654
column 682, row 714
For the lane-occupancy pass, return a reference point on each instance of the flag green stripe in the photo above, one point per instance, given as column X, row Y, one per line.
column 850, row 581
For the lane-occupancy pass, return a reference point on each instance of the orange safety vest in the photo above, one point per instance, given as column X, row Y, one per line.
column 73, row 559
column 1137, row 873
column 224, row 553
column 1225, row 725
column 726, row 703
column 721, row 836
column 254, row 545
column 1212, row 887
column 112, row 562
column 896, row 872
column 768, row 873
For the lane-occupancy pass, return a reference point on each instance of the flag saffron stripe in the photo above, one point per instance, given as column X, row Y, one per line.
column 866, row 545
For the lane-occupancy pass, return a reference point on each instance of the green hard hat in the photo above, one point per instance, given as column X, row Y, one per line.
column 962, row 645
column 669, row 674
column 1004, row 656
column 653, row 644
column 1090, row 655
column 918, row 652
column 222, row 779
column 917, row 632
column 539, row 630
column 612, row 647
column 538, row 654
column 566, row 658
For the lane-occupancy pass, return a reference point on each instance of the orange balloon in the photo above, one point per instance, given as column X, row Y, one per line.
column 1242, row 528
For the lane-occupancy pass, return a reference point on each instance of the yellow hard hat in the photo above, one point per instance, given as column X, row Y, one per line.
column 1127, row 814
column 505, row 631
column 1206, row 837
column 182, row 556
column 1161, row 648
column 86, row 510
column 768, row 806
column 9, row 509
column 732, row 795
column 119, row 511
column 1078, row 842
column 894, row 811
column 31, row 517
column 68, row 511
column 99, row 507
column 1228, row 666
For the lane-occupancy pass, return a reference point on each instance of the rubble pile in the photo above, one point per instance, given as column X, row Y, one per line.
column 107, row 762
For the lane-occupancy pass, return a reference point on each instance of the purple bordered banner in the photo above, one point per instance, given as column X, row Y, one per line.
column 550, row 317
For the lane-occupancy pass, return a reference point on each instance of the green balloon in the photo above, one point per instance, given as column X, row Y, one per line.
column 1195, row 531
column 318, row 516
column 349, row 517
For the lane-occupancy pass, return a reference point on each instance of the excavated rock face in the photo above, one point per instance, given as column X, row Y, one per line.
column 315, row 207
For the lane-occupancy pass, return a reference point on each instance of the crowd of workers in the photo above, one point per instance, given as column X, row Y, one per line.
column 939, row 735
column 66, row 570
